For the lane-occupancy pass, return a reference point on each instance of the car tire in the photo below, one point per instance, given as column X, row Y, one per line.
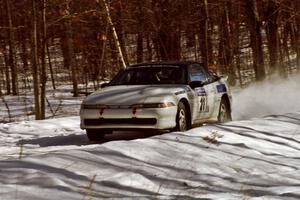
column 224, row 112
column 182, row 122
column 96, row 134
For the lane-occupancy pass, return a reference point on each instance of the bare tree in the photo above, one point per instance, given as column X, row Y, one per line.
column 255, row 28
column 273, row 34
column 34, row 62
column 70, row 49
column 43, row 76
column 115, row 35
column 11, row 44
column 206, row 37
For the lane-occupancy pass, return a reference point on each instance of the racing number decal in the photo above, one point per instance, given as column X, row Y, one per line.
column 203, row 104
column 203, row 99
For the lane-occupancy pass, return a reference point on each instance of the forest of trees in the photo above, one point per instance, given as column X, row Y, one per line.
column 90, row 40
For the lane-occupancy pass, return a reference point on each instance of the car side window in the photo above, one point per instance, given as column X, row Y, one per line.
column 197, row 73
column 212, row 77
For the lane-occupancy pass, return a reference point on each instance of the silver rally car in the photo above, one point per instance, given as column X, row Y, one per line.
column 161, row 96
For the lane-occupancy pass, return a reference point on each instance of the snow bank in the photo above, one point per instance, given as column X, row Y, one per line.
column 255, row 159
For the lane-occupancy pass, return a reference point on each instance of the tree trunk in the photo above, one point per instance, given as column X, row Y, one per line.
column 140, row 34
column 103, row 52
column 43, row 76
column 34, row 63
column 273, row 36
column 50, row 67
column 70, row 53
column 149, row 48
column 226, row 44
column 168, row 36
column 118, row 24
column 258, row 61
column 139, row 49
column 24, row 52
column 238, row 66
column 11, row 44
column 206, row 37
column 115, row 35
column 7, row 75
column 64, row 49
column 256, row 40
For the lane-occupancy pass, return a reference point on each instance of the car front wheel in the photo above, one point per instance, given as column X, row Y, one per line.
column 224, row 112
column 181, row 118
column 96, row 134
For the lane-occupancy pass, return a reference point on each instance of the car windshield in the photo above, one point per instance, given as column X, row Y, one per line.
column 148, row 75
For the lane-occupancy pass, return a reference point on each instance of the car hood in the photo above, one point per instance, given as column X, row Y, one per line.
column 129, row 95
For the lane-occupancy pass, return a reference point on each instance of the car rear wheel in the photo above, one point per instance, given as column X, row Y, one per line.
column 181, row 118
column 96, row 134
column 224, row 112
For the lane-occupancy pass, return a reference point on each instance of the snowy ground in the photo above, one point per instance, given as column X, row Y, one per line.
column 59, row 103
column 52, row 159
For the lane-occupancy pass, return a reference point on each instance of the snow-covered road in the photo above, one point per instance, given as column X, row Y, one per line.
column 52, row 159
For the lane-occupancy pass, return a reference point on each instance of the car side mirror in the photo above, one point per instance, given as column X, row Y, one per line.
column 195, row 84
column 103, row 85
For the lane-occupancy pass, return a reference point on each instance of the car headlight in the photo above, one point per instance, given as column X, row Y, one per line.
column 154, row 105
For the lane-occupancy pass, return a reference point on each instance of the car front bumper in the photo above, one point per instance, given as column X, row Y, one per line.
column 145, row 118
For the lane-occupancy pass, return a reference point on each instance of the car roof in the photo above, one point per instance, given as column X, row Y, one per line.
column 180, row 63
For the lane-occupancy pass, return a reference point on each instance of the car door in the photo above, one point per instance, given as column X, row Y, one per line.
column 211, row 88
column 205, row 94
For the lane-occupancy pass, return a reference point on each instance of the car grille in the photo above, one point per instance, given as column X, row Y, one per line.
column 131, row 121
column 99, row 106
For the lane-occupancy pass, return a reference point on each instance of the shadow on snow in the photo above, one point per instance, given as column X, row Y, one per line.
column 80, row 140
